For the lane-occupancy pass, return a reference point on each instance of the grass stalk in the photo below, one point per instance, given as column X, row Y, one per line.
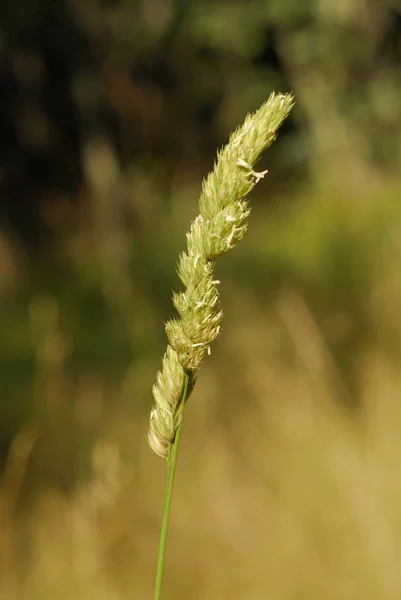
column 168, row 494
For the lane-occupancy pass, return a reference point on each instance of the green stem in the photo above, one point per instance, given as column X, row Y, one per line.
column 171, row 466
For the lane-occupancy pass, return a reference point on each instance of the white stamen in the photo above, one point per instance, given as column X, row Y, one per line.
column 242, row 163
column 259, row 175
column 230, row 237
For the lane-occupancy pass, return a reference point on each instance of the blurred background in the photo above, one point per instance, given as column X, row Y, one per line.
column 288, row 483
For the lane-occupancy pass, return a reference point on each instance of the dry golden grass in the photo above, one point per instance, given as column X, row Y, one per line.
column 284, row 496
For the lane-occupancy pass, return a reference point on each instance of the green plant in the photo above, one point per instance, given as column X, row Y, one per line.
column 221, row 224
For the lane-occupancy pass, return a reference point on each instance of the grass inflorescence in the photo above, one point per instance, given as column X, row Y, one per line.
column 221, row 224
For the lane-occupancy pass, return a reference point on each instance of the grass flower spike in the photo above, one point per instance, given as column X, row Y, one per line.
column 221, row 224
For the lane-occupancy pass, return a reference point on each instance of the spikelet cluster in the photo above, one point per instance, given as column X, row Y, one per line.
column 221, row 224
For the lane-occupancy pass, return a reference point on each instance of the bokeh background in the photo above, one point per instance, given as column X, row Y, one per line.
column 288, row 482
